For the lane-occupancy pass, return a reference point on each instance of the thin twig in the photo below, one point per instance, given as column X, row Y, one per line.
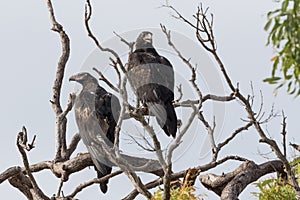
column 173, row 146
column 179, row 16
column 235, row 133
column 186, row 61
column 295, row 146
column 93, row 181
column 129, row 44
column 60, row 188
column 210, row 130
column 150, row 148
column 179, row 89
column 179, row 137
column 154, row 138
column 187, row 103
column 283, row 132
column 115, row 66
column 23, row 140
column 105, row 80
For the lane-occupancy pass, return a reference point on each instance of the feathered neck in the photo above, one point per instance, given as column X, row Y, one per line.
column 90, row 87
column 147, row 50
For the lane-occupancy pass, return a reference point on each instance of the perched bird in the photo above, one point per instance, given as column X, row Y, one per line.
column 152, row 77
column 96, row 112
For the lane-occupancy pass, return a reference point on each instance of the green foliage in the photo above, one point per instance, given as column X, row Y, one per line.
column 183, row 193
column 275, row 189
column 284, row 36
column 295, row 164
column 296, row 161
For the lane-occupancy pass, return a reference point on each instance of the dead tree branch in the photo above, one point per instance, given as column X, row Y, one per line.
column 105, row 80
column 10, row 172
column 205, row 27
column 73, row 145
column 129, row 44
column 115, row 66
column 88, row 15
column 295, row 146
column 123, row 164
column 236, row 132
column 181, row 174
column 64, row 169
column 181, row 134
column 134, row 178
column 22, row 140
column 23, row 184
column 283, row 132
column 229, row 186
column 61, row 122
column 173, row 146
column 187, row 103
column 210, row 130
column 186, row 61
column 22, row 144
column 84, row 185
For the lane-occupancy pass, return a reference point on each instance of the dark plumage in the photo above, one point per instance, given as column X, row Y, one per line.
column 96, row 113
column 152, row 77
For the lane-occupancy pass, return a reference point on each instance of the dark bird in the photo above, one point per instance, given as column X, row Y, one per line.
column 152, row 77
column 96, row 112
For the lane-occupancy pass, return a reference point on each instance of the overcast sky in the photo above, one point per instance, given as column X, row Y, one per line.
column 30, row 51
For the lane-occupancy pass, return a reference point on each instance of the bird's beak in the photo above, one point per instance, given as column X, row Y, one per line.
column 73, row 78
column 148, row 37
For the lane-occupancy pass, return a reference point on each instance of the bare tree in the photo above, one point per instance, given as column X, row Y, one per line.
column 227, row 186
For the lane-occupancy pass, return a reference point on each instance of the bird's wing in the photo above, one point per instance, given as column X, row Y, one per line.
column 150, row 71
column 91, row 129
column 163, row 75
column 107, row 109
column 168, row 72
column 139, row 73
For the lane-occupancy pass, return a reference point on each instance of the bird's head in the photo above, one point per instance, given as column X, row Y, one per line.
column 84, row 79
column 144, row 40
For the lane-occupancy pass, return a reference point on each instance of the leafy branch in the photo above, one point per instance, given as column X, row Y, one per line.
column 284, row 37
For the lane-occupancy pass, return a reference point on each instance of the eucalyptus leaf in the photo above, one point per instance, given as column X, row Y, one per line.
column 284, row 36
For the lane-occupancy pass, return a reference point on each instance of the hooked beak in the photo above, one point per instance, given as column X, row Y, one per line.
column 148, row 38
column 73, row 78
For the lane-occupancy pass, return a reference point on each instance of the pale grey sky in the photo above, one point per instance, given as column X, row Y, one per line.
column 30, row 52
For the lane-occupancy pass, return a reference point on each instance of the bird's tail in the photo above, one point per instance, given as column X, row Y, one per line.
column 165, row 116
column 103, row 184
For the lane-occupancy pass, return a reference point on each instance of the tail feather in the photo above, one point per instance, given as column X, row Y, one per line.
column 103, row 187
column 165, row 116
column 103, row 184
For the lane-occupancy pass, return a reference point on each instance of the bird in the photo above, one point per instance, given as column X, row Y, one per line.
column 152, row 78
column 96, row 114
